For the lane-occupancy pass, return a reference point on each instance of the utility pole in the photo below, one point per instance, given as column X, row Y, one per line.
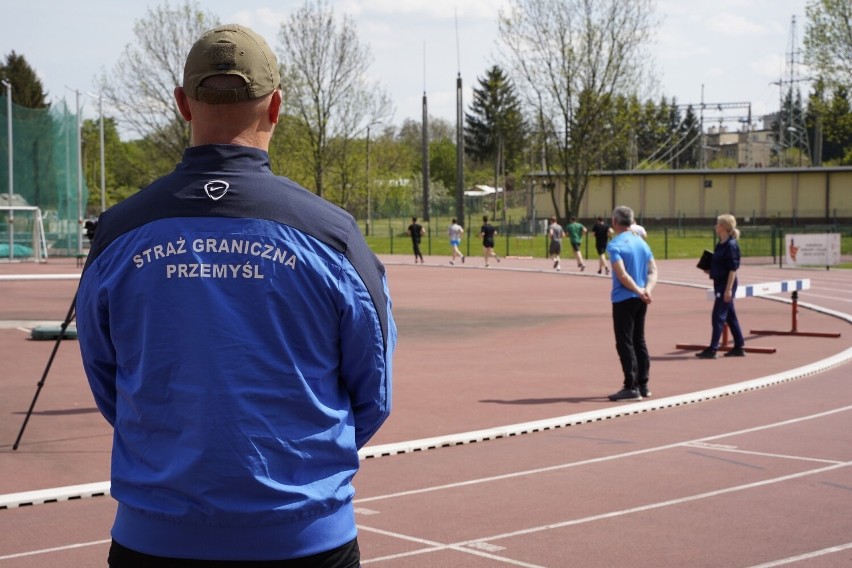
column 459, row 135
column 8, row 85
column 793, row 124
column 103, row 164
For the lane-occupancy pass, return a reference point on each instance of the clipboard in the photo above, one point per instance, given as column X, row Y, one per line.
column 705, row 260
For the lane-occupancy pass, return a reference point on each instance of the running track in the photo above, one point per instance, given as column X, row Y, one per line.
column 742, row 462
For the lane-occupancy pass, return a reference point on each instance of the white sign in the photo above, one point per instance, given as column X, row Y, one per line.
column 815, row 249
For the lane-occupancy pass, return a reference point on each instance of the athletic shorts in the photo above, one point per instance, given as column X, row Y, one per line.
column 575, row 246
column 455, row 242
column 488, row 243
column 555, row 247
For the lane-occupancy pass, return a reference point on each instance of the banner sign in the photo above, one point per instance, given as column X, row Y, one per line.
column 813, row 249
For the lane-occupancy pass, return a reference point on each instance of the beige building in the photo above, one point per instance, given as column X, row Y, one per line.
column 746, row 148
column 760, row 195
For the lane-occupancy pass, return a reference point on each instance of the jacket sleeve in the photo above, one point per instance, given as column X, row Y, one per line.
column 93, row 336
column 366, row 355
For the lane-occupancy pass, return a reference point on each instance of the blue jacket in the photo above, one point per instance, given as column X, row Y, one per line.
column 726, row 258
column 635, row 253
column 236, row 331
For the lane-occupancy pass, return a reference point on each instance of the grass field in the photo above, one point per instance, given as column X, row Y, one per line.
column 390, row 237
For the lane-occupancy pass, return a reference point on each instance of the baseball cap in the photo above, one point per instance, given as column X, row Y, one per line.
column 231, row 49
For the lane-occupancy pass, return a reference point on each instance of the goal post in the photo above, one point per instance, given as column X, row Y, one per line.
column 22, row 233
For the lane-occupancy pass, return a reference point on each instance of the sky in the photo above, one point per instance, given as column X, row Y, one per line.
column 715, row 51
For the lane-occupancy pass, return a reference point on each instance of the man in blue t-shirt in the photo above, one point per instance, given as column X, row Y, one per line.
column 634, row 276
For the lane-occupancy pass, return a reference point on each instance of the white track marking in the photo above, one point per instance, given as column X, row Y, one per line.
column 806, row 556
column 630, row 454
column 463, row 545
column 55, row 549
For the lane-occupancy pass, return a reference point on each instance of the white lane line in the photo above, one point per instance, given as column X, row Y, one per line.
column 718, row 448
column 478, row 550
column 464, row 545
column 28, row 277
column 832, row 298
column 55, row 549
column 613, row 457
column 806, row 556
column 660, row 505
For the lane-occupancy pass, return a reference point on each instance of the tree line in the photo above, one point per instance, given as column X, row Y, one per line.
column 563, row 103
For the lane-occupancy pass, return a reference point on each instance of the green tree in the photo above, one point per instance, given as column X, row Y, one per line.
column 828, row 40
column 829, row 125
column 33, row 144
column 574, row 58
column 325, row 83
column 140, row 88
column 791, row 143
column 689, row 148
column 442, row 162
column 494, row 126
column 27, row 90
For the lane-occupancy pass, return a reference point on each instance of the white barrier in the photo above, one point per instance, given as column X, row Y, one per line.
column 767, row 288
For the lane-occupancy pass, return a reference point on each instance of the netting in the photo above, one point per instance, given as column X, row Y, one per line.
column 45, row 174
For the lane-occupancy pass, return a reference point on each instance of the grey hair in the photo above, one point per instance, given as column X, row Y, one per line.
column 622, row 216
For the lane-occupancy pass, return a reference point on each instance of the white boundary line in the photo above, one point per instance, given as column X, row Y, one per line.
column 806, row 556
column 461, row 546
column 39, row 497
column 697, row 442
column 54, row 549
column 27, row 277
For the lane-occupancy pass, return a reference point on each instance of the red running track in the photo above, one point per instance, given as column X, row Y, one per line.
column 750, row 475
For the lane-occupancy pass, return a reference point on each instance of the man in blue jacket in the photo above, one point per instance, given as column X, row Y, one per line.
column 237, row 333
column 634, row 275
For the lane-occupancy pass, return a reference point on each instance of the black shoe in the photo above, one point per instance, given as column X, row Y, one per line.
column 735, row 352
column 626, row 394
column 644, row 392
column 706, row 354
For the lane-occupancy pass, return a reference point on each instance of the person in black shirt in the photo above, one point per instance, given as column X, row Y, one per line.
column 416, row 231
column 488, row 232
column 602, row 233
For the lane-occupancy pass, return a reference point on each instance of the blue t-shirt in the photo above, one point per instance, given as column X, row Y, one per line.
column 635, row 253
column 726, row 258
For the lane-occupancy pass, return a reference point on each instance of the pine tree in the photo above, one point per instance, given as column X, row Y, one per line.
column 495, row 118
column 27, row 90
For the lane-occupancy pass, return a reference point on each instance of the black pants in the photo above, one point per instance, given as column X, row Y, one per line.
column 346, row 556
column 416, row 245
column 724, row 313
column 628, row 318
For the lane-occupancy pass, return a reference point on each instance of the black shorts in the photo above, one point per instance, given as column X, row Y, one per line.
column 555, row 247
column 575, row 246
column 488, row 243
column 346, row 556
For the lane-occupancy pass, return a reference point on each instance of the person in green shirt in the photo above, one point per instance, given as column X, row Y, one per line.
column 575, row 232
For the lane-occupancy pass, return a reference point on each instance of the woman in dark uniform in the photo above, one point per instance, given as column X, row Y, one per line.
column 723, row 272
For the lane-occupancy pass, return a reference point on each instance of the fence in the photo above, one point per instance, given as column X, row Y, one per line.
column 389, row 236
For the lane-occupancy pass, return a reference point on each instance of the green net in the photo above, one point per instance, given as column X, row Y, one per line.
column 45, row 174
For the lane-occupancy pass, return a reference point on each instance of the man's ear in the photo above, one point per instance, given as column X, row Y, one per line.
column 275, row 106
column 183, row 104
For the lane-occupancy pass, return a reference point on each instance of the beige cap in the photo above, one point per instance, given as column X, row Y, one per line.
column 231, row 49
